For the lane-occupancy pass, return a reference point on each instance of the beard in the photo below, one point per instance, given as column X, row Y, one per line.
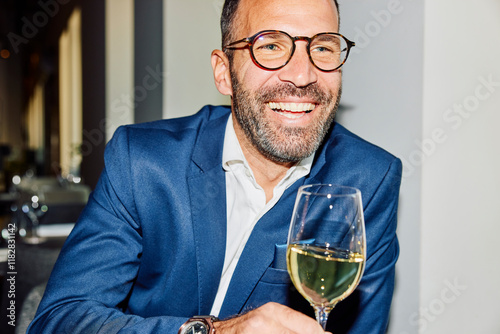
column 278, row 142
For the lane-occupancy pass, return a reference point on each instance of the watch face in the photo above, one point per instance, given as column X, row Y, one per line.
column 196, row 327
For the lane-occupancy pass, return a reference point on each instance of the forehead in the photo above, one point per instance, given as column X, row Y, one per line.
column 296, row 17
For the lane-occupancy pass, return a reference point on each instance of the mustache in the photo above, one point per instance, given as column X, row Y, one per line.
column 284, row 90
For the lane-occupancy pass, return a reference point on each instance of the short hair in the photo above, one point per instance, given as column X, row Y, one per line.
column 227, row 19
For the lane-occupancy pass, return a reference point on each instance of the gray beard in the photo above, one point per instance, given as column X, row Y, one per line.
column 282, row 144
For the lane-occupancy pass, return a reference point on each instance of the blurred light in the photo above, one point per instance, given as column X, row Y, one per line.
column 45, row 208
column 16, row 179
column 26, row 209
column 35, row 59
column 77, row 179
column 22, row 232
column 35, row 205
column 5, row 53
column 34, row 199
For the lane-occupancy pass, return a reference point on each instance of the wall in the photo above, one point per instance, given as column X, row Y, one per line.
column 382, row 99
column 119, row 64
column 192, row 32
column 148, row 60
column 460, row 211
column 93, row 89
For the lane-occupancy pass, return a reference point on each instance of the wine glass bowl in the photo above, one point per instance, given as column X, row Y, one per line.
column 34, row 211
column 326, row 245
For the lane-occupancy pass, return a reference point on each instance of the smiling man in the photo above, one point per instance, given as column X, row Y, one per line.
column 190, row 218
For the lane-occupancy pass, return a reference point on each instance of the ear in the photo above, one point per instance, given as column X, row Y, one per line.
column 220, row 66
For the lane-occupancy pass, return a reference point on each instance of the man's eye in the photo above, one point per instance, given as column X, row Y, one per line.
column 269, row 47
column 322, row 49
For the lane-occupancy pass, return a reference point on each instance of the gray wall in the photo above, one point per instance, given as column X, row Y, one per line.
column 460, row 213
column 148, row 58
column 383, row 100
column 189, row 79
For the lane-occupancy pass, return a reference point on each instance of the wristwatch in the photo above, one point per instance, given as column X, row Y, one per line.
column 200, row 324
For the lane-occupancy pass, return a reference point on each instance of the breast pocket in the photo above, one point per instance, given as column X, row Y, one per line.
column 275, row 284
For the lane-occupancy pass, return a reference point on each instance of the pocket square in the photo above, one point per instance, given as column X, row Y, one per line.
column 279, row 261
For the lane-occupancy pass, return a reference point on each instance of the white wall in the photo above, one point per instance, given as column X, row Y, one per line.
column 382, row 102
column 191, row 30
column 460, row 189
column 119, row 64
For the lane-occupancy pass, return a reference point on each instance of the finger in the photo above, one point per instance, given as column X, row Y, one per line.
column 270, row 318
column 292, row 320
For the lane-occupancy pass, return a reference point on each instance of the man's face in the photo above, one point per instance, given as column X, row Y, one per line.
column 286, row 113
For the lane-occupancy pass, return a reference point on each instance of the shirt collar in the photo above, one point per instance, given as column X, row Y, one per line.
column 232, row 152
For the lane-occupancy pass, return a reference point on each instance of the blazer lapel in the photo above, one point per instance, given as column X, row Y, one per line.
column 258, row 255
column 207, row 189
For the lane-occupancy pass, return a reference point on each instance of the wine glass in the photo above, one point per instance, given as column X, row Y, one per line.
column 34, row 211
column 326, row 245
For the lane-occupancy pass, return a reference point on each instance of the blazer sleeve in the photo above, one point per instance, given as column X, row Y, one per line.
column 367, row 309
column 99, row 262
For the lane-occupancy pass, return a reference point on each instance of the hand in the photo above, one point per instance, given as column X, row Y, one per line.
column 269, row 318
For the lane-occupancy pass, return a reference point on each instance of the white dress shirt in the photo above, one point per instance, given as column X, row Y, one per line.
column 246, row 203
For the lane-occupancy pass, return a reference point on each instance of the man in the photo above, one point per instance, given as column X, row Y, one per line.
column 190, row 216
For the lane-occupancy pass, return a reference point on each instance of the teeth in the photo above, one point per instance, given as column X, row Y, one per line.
column 290, row 115
column 291, row 107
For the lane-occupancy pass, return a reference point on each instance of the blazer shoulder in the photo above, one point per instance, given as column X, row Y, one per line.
column 350, row 160
column 206, row 114
column 164, row 141
column 183, row 129
column 358, row 145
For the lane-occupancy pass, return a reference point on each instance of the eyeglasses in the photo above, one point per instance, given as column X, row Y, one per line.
column 273, row 49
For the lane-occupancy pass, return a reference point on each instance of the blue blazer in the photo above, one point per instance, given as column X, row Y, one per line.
column 148, row 250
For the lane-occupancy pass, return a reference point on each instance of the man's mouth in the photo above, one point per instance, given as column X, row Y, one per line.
column 291, row 110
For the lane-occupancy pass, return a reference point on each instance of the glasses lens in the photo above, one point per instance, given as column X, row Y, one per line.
column 328, row 51
column 272, row 49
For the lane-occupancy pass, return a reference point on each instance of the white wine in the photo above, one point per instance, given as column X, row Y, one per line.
column 324, row 276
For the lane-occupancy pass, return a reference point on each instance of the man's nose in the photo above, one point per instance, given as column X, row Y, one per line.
column 299, row 70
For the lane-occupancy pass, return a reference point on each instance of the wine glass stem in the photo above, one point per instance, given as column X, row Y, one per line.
column 322, row 315
column 34, row 229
